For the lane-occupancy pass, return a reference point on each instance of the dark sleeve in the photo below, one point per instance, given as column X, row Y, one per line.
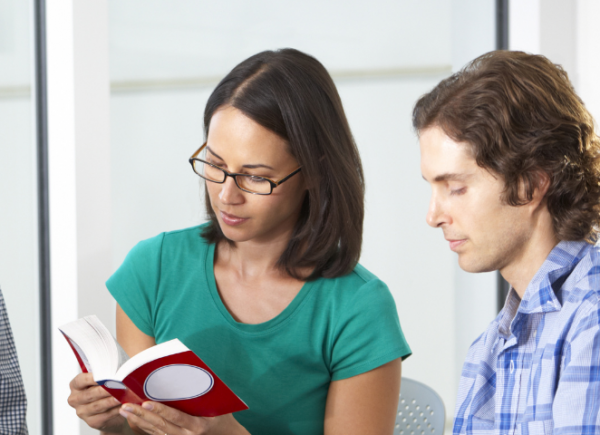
column 13, row 403
column 368, row 333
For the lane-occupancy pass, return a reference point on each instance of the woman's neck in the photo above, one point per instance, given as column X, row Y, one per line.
column 252, row 259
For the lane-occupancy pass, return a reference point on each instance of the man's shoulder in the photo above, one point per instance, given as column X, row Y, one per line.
column 482, row 349
column 584, row 282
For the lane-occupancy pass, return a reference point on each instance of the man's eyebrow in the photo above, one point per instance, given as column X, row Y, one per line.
column 452, row 177
column 259, row 165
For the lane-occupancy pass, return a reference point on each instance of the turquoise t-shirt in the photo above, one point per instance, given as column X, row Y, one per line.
column 334, row 328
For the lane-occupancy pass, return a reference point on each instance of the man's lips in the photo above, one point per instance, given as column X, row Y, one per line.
column 231, row 220
column 456, row 243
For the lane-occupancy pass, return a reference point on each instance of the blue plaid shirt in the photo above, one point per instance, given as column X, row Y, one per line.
column 536, row 369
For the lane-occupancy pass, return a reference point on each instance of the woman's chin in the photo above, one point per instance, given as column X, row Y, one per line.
column 235, row 234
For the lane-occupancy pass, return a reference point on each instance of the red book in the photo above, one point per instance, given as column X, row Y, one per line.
column 168, row 373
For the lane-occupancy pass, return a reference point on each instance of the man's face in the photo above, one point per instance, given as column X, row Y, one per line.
column 466, row 204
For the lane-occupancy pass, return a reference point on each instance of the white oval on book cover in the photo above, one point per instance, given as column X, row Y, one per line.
column 177, row 382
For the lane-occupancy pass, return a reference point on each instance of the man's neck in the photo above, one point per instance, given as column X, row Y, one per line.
column 521, row 270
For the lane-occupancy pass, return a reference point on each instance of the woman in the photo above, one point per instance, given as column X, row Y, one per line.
column 268, row 293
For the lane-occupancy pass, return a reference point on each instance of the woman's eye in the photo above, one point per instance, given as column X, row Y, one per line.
column 214, row 162
column 255, row 179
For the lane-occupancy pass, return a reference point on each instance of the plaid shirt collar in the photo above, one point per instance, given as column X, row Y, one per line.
column 540, row 294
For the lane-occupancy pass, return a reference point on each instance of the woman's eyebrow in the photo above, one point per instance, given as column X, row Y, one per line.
column 244, row 166
column 257, row 166
column 213, row 153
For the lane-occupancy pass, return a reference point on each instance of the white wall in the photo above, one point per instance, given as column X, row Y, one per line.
column 587, row 61
column 568, row 34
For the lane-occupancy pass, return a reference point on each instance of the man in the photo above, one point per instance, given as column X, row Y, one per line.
column 513, row 160
column 13, row 404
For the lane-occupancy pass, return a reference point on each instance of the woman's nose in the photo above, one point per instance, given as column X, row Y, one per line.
column 230, row 193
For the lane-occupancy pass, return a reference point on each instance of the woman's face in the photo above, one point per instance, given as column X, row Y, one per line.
column 239, row 145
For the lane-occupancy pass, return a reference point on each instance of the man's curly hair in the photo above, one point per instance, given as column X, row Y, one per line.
column 522, row 117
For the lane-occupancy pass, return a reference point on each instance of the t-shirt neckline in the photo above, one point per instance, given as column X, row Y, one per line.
column 247, row 327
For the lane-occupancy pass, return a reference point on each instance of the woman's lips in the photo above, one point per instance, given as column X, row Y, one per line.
column 454, row 244
column 231, row 220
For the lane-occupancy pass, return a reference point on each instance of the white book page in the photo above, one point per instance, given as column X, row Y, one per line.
column 123, row 357
column 167, row 348
column 97, row 344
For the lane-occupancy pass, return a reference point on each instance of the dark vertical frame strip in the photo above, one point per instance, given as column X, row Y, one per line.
column 502, row 287
column 41, row 110
column 501, row 24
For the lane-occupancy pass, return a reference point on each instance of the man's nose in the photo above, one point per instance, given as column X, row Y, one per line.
column 436, row 215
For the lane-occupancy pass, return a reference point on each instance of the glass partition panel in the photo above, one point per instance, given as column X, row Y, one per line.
column 18, row 195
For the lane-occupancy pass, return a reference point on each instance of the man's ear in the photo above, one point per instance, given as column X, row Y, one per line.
column 540, row 188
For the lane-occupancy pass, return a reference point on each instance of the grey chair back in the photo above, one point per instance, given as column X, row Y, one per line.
column 420, row 410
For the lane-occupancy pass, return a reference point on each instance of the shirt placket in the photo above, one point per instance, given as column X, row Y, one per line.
column 513, row 363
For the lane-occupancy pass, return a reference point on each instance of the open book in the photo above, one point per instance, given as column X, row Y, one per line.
column 169, row 372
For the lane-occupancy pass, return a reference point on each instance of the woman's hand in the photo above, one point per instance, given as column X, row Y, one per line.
column 94, row 405
column 158, row 419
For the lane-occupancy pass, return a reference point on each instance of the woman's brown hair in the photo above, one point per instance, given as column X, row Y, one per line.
column 291, row 94
column 521, row 117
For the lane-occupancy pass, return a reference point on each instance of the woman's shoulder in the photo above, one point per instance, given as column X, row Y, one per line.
column 359, row 282
column 359, row 276
column 176, row 240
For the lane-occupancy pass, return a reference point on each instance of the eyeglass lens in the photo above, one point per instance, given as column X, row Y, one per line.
column 250, row 183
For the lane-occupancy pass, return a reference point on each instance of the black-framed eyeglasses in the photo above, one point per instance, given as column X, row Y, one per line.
column 246, row 182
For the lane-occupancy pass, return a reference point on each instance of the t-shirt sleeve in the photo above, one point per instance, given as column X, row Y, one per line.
column 368, row 333
column 135, row 283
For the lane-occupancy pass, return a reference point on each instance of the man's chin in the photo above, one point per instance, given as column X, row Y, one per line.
column 472, row 265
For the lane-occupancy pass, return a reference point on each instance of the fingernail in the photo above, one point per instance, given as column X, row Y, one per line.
column 127, row 408
column 148, row 406
column 123, row 413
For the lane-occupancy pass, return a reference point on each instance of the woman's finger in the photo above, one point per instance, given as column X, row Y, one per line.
column 169, row 414
column 148, row 421
column 89, row 395
column 109, row 418
column 82, row 381
column 98, row 407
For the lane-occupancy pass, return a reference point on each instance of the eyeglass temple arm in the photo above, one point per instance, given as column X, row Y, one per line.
column 286, row 178
column 198, row 151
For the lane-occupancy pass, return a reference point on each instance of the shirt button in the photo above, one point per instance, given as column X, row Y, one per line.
column 512, row 366
column 534, row 334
